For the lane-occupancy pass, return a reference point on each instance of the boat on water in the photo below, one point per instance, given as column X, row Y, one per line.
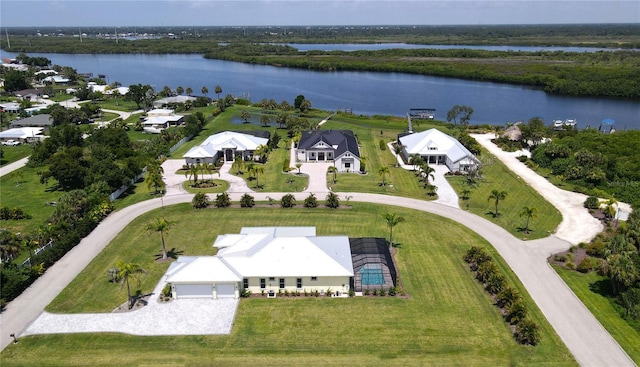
column 560, row 124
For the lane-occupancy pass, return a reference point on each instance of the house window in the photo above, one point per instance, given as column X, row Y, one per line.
column 299, row 283
column 245, row 283
column 272, row 279
column 347, row 165
column 263, row 283
column 282, row 285
column 314, row 279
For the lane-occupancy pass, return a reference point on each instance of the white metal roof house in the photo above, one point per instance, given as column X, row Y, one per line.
column 175, row 99
column 339, row 146
column 436, row 147
column 265, row 260
column 23, row 134
column 160, row 119
column 227, row 145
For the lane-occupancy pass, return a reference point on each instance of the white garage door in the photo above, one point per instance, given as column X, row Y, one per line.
column 226, row 290
column 194, row 290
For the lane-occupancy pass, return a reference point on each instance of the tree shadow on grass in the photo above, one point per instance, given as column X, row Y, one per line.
column 171, row 254
column 397, row 245
column 602, row 287
column 524, row 230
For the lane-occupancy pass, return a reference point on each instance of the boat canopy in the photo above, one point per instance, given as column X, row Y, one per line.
column 608, row 122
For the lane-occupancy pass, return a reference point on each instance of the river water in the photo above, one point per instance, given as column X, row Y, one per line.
column 366, row 93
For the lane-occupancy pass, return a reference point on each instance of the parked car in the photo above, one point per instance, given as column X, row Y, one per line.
column 11, row 142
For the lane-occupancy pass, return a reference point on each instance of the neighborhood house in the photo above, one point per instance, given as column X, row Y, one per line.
column 265, row 260
column 272, row 260
column 339, row 146
column 436, row 147
column 160, row 119
column 227, row 145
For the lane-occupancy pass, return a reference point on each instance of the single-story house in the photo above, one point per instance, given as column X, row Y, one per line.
column 57, row 79
column 339, row 146
column 104, row 89
column 10, row 107
column 227, row 145
column 170, row 100
column 436, row 147
column 160, row 119
column 30, row 94
column 43, row 120
column 266, row 260
column 23, row 134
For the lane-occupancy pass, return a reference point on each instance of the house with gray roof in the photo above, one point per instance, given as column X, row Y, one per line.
column 43, row 120
column 338, row 146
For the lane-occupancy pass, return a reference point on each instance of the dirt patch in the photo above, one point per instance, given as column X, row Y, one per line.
column 575, row 255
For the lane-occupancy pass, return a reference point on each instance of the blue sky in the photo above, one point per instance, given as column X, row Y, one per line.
column 85, row 13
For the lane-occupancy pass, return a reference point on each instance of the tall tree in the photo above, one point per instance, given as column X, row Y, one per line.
column 392, row 220
column 218, row 90
column 189, row 91
column 462, row 112
column 129, row 272
column 204, row 91
column 265, row 120
column 416, row 160
column 179, row 90
column 497, row 196
column 530, row 213
column 163, row 226
column 139, row 94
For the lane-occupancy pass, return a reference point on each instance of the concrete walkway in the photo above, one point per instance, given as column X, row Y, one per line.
column 8, row 168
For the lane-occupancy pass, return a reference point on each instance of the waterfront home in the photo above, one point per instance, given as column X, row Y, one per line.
column 436, row 147
column 227, row 145
column 337, row 146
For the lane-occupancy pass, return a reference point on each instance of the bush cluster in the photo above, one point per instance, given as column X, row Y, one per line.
column 507, row 298
column 16, row 213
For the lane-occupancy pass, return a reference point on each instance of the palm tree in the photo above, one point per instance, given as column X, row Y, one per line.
column 392, row 219
column 416, row 160
column 333, row 170
column 610, row 208
column 163, row 226
column 465, row 194
column 497, row 196
column 126, row 272
column 383, row 172
column 189, row 91
column 257, row 171
column 530, row 213
column 262, row 150
column 204, row 91
column 239, row 163
column 193, row 171
column 154, row 176
column 427, row 171
column 397, row 150
column 179, row 90
column 217, row 90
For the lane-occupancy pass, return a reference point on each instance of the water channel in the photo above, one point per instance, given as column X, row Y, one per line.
column 367, row 93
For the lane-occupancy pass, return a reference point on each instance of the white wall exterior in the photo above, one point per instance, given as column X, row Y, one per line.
column 340, row 284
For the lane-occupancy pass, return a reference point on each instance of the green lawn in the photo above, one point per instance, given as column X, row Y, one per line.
column 12, row 154
column 273, row 179
column 447, row 320
column 519, row 194
column 222, row 186
column 593, row 290
column 22, row 188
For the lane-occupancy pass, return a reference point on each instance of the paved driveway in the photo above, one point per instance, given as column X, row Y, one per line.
column 178, row 317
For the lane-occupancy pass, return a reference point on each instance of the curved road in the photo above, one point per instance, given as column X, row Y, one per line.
column 588, row 341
